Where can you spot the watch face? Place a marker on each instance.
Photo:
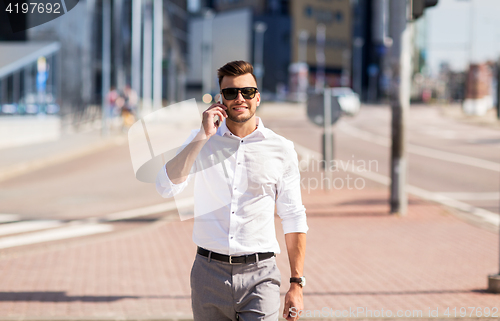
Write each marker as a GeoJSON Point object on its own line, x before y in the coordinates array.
{"type": "Point", "coordinates": [303, 281]}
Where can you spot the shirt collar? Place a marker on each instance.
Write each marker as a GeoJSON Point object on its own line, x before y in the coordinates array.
{"type": "Point", "coordinates": [260, 131]}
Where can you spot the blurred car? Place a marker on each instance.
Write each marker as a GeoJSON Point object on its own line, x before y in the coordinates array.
{"type": "Point", "coordinates": [348, 100]}
{"type": "Point", "coordinates": [9, 109]}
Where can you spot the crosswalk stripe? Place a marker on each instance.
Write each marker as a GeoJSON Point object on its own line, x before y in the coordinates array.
{"type": "Point", "coordinates": [149, 210]}
{"type": "Point", "coordinates": [5, 218]}
{"type": "Point", "coordinates": [28, 226]}
{"type": "Point", "coordinates": [54, 234]}
{"type": "Point", "coordinates": [57, 232]}
{"type": "Point", "coordinates": [471, 196]}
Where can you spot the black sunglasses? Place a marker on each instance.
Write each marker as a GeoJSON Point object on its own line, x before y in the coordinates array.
{"type": "Point", "coordinates": [232, 93]}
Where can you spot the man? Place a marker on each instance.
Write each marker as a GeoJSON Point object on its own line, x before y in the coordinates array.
{"type": "Point", "coordinates": [234, 275]}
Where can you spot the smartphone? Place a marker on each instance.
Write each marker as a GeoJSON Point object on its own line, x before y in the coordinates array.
{"type": "Point", "coordinates": [217, 120]}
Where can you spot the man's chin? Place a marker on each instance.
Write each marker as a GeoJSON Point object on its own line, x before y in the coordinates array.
{"type": "Point", "coordinates": [240, 118]}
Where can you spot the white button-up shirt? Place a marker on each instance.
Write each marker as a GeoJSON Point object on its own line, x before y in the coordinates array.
{"type": "Point", "coordinates": [235, 197]}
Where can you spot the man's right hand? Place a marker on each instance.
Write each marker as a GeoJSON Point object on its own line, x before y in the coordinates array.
{"type": "Point", "coordinates": [207, 124]}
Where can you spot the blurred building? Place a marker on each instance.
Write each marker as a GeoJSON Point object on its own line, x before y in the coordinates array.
{"type": "Point", "coordinates": [478, 95]}
{"type": "Point", "coordinates": [336, 16]}
{"type": "Point", "coordinates": [258, 6]}
{"type": "Point", "coordinates": [232, 36]}
{"type": "Point", "coordinates": [285, 20]}
{"type": "Point", "coordinates": [356, 45]}
{"type": "Point", "coordinates": [374, 59]}
{"type": "Point", "coordinates": [456, 85]}
{"type": "Point", "coordinates": [28, 73]}
{"type": "Point", "coordinates": [29, 77]}
{"type": "Point", "coordinates": [372, 70]}
{"type": "Point", "coordinates": [212, 44]}
{"type": "Point", "coordinates": [78, 35]}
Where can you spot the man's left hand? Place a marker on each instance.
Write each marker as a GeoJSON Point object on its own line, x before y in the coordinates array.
{"type": "Point", "coordinates": [294, 303]}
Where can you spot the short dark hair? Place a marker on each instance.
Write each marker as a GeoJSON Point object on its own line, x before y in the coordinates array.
{"type": "Point", "coordinates": [235, 68]}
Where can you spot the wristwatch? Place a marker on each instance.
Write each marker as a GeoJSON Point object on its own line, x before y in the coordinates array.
{"type": "Point", "coordinates": [301, 281]}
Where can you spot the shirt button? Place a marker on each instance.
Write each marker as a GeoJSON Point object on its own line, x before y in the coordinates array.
{"type": "Point", "coordinates": [231, 237]}
{"type": "Point", "coordinates": [233, 213]}
{"type": "Point", "coordinates": [239, 163]}
{"type": "Point", "coordinates": [242, 141]}
{"type": "Point", "coordinates": [235, 188]}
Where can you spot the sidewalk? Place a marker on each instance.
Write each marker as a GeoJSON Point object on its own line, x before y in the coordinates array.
{"type": "Point", "coordinates": [358, 258]}
{"type": "Point", "coordinates": [23, 152]}
{"type": "Point", "coordinates": [454, 111]}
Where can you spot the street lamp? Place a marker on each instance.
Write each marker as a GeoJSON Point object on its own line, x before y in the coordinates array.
{"type": "Point", "coordinates": [320, 57]}
{"type": "Point", "coordinates": [358, 44]}
{"type": "Point", "coordinates": [157, 54]}
{"type": "Point", "coordinates": [301, 69]}
{"type": "Point", "coordinates": [147, 58]}
{"type": "Point", "coordinates": [136, 46]}
{"type": "Point", "coordinates": [303, 37]}
{"type": "Point", "coordinates": [106, 64]}
{"type": "Point", "coordinates": [207, 52]}
{"type": "Point", "coordinates": [259, 27]}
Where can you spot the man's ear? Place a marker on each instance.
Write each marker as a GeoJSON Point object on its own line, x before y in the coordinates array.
{"type": "Point", "coordinates": [258, 98]}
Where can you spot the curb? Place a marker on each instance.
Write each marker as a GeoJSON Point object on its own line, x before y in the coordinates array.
{"type": "Point", "coordinates": [30, 166]}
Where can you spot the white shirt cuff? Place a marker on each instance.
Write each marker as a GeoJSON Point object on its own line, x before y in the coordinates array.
{"type": "Point", "coordinates": [164, 185]}
{"type": "Point", "coordinates": [295, 224]}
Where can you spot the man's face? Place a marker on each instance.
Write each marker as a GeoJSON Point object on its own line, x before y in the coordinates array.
{"type": "Point", "coordinates": [240, 110]}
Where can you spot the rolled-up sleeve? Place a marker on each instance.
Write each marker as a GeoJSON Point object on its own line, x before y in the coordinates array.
{"type": "Point", "coordinates": [289, 200]}
{"type": "Point", "coordinates": [164, 185]}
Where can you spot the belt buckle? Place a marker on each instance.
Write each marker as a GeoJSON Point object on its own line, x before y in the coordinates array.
{"type": "Point", "coordinates": [231, 260]}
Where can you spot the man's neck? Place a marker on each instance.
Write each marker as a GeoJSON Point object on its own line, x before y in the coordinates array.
{"type": "Point", "coordinates": [242, 129]}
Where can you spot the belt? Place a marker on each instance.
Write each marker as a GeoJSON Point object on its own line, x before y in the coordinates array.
{"type": "Point", "coordinates": [251, 258]}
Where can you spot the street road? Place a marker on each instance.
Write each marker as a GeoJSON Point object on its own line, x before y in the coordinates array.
{"type": "Point", "coordinates": [93, 194]}
{"type": "Point", "coordinates": [88, 196]}
{"type": "Point", "coordinates": [455, 160]}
